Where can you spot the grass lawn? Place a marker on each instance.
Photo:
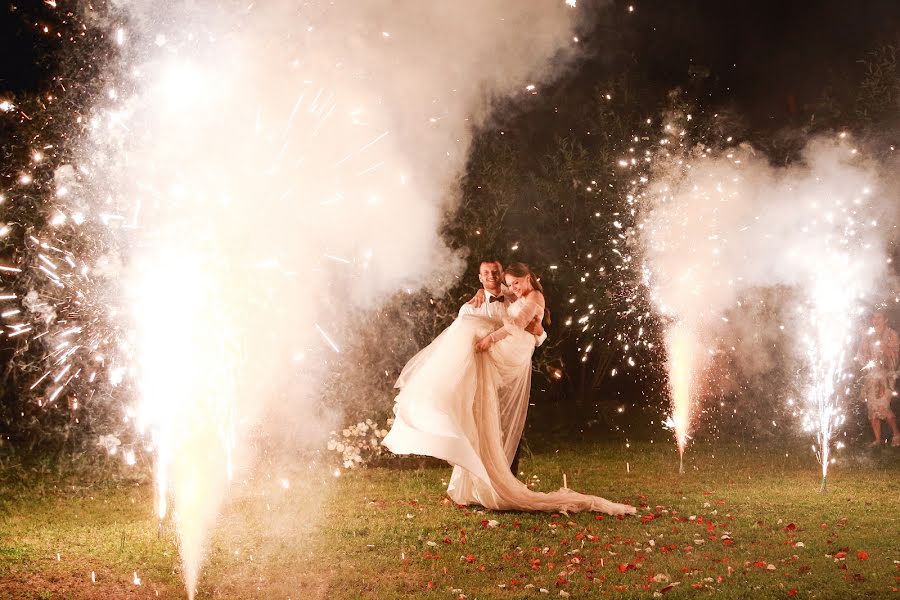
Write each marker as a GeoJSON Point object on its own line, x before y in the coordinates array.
{"type": "Point", "coordinates": [741, 522]}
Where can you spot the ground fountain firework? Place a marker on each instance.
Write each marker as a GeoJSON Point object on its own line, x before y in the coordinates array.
{"type": "Point", "coordinates": [240, 175]}
{"type": "Point", "coordinates": [722, 225]}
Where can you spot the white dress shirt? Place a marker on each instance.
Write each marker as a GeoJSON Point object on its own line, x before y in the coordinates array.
{"type": "Point", "coordinates": [494, 310]}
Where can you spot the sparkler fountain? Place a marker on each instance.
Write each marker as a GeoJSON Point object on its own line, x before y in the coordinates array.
{"type": "Point", "coordinates": [681, 349]}
{"type": "Point", "coordinates": [826, 342]}
{"type": "Point", "coordinates": [684, 273]}
{"type": "Point", "coordinates": [723, 224]}
{"type": "Point", "coordinates": [849, 256]}
{"type": "Point", "coordinates": [249, 170]}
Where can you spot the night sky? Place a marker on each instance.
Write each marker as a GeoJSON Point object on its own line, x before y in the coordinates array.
{"type": "Point", "coordinates": [761, 53]}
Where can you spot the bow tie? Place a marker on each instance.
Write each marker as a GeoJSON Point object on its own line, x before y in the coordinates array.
{"type": "Point", "coordinates": [496, 299]}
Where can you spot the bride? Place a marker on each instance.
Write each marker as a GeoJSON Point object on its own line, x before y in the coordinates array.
{"type": "Point", "coordinates": [464, 397]}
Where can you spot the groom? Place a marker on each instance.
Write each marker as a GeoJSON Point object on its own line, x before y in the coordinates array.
{"type": "Point", "coordinates": [491, 301]}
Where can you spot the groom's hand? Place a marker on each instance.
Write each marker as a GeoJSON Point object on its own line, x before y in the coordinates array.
{"type": "Point", "coordinates": [535, 328]}
{"type": "Point", "coordinates": [478, 299]}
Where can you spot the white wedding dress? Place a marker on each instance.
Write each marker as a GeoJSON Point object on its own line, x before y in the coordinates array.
{"type": "Point", "coordinates": [469, 409]}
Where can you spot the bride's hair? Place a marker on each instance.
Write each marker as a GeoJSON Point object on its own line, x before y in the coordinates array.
{"type": "Point", "coordinates": [520, 269]}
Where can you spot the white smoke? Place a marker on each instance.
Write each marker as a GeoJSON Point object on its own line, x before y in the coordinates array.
{"type": "Point", "coordinates": [728, 232]}
{"type": "Point", "coordinates": [270, 164]}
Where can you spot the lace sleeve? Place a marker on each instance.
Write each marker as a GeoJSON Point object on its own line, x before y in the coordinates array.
{"type": "Point", "coordinates": [530, 309]}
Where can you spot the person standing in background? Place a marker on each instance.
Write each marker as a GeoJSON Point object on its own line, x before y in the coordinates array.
{"type": "Point", "coordinates": [878, 352]}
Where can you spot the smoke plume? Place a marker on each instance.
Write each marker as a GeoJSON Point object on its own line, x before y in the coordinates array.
{"type": "Point", "coordinates": [264, 166]}
{"type": "Point", "coordinates": [768, 265]}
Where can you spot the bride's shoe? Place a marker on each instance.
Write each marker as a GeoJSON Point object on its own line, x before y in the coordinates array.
{"type": "Point", "coordinates": [895, 442]}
